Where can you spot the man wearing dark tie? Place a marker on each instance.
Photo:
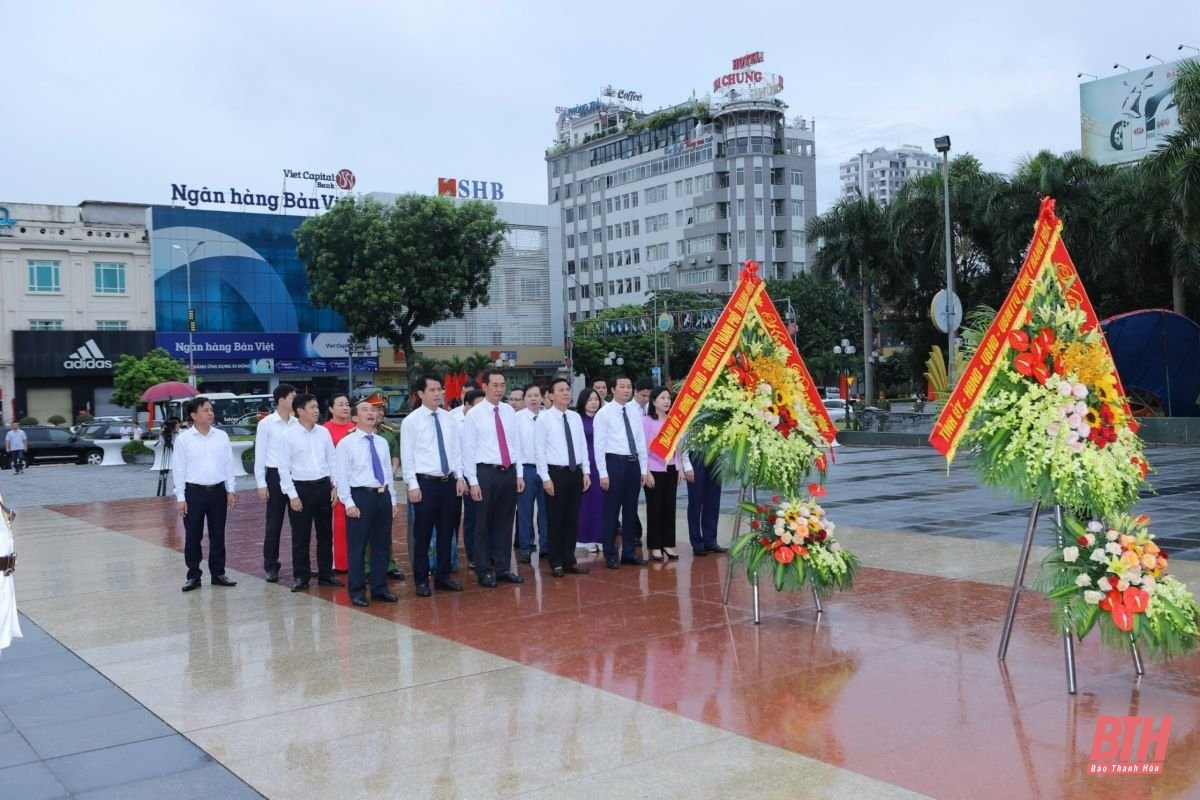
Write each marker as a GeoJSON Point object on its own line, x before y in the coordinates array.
{"type": "Point", "coordinates": [432, 464]}
{"type": "Point", "coordinates": [202, 470]}
{"type": "Point", "coordinates": [268, 446]}
{"type": "Point", "coordinates": [369, 495]}
{"type": "Point", "coordinates": [563, 466]}
{"type": "Point", "coordinates": [306, 477]}
{"type": "Point", "coordinates": [623, 465]}
{"type": "Point", "coordinates": [493, 463]}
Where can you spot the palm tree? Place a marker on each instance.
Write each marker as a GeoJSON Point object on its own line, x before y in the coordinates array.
{"type": "Point", "coordinates": [1177, 160]}
{"type": "Point", "coordinates": [856, 246]}
{"type": "Point", "coordinates": [476, 363]}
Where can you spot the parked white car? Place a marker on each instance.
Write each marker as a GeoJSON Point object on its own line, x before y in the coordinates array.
{"type": "Point", "coordinates": [836, 409]}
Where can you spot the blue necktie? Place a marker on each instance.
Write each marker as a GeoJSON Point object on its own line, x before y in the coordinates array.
{"type": "Point", "coordinates": [437, 426]}
{"type": "Point", "coordinates": [376, 464]}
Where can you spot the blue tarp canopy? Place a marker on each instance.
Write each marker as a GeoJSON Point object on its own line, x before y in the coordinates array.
{"type": "Point", "coordinates": [1158, 353]}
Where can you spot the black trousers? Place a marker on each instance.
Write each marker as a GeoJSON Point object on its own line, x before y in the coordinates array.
{"type": "Point", "coordinates": [660, 509]}
{"type": "Point", "coordinates": [494, 517]}
{"type": "Point", "coordinates": [438, 510]}
{"type": "Point", "coordinates": [373, 526]}
{"type": "Point", "coordinates": [211, 506]}
{"type": "Point", "coordinates": [563, 514]}
{"type": "Point", "coordinates": [316, 509]}
{"type": "Point", "coordinates": [620, 505]}
{"type": "Point", "coordinates": [277, 503]}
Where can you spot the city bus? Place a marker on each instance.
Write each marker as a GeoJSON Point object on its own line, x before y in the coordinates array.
{"type": "Point", "coordinates": [228, 407]}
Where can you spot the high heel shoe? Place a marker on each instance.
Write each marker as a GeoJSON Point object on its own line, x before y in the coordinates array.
{"type": "Point", "coordinates": [660, 557]}
{"type": "Point", "coordinates": [670, 555]}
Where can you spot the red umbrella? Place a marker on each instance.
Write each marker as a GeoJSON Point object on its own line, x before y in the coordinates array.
{"type": "Point", "coordinates": [167, 391]}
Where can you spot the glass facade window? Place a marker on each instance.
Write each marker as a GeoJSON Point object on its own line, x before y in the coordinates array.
{"type": "Point", "coordinates": [44, 277]}
{"type": "Point", "coordinates": [112, 325]}
{"type": "Point", "coordinates": [110, 278]}
{"type": "Point", "coordinates": [45, 324]}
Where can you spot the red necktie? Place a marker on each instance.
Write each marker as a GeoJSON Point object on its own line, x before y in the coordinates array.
{"type": "Point", "coordinates": [505, 459]}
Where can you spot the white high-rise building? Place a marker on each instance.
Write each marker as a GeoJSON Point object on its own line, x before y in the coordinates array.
{"type": "Point", "coordinates": [682, 197]}
{"type": "Point", "coordinates": [880, 172]}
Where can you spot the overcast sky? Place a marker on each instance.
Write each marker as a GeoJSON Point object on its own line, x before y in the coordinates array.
{"type": "Point", "coordinates": [118, 100]}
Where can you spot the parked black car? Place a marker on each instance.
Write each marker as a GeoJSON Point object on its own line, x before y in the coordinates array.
{"type": "Point", "coordinates": [48, 443]}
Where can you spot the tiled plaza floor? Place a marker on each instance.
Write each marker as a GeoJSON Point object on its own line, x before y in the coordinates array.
{"type": "Point", "coordinates": [628, 683]}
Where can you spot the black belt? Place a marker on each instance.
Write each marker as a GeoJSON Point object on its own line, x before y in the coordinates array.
{"type": "Point", "coordinates": [317, 482]}
{"type": "Point", "coordinates": [498, 467]}
{"type": "Point", "coordinates": [563, 467]}
{"type": "Point", "coordinates": [377, 489]}
{"type": "Point", "coordinates": [201, 487]}
{"type": "Point", "coordinates": [620, 457]}
{"type": "Point", "coordinates": [438, 478]}
{"type": "Point", "coordinates": [8, 564]}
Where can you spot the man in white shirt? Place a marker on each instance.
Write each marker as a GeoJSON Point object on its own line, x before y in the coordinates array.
{"type": "Point", "coordinates": [432, 464]}
{"type": "Point", "coordinates": [202, 471]}
{"type": "Point", "coordinates": [492, 461]}
{"type": "Point", "coordinates": [622, 463]}
{"type": "Point", "coordinates": [533, 499]}
{"type": "Point", "coordinates": [15, 444]}
{"type": "Point", "coordinates": [268, 453]}
{"type": "Point", "coordinates": [126, 431]}
{"type": "Point", "coordinates": [564, 470]}
{"type": "Point", "coordinates": [306, 477]}
{"type": "Point", "coordinates": [368, 491]}
{"type": "Point", "coordinates": [601, 387]}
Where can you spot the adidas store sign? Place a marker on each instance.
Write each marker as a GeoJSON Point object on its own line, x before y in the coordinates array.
{"type": "Point", "coordinates": [87, 357]}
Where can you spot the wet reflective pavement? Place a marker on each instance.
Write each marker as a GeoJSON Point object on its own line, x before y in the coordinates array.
{"type": "Point", "coordinates": [629, 683]}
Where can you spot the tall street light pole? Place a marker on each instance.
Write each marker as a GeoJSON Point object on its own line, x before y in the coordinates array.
{"type": "Point", "coordinates": [191, 312]}
{"type": "Point", "coordinates": [942, 143]}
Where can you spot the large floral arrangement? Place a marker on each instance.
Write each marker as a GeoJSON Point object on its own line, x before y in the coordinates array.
{"type": "Point", "coordinates": [753, 423]}
{"type": "Point", "coordinates": [1053, 427]}
{"type": "Point", "coordinates": [792, 540]}
{"type": "Point", "coordinates": [1114, 575]}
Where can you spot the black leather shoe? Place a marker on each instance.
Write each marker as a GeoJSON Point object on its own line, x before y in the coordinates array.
{"type": "Point", "coordinates": [361, 602]}
{"type": "Point", "coordinates": [487, 580]}
{"type": "Point", "coordinates": [331, 580]}
{"type": "Point", "coordinates": [509, 577]}
{"type": "Point", "coordinates": [386, 597]}
{"type": "Point", "coordinates": [273, 575]}
{"type": "Point", "coordinates": [716, 548]}
{"type": "Point", "coordinates": [699, 551]}
{"type": "Point", "coordinates": [612, 563]}
{"type": "Point", "coordinates": [557, 572]}
{"type": "Point", "coordinates": [395, 574]}
{"type": "Point", "coordinates": [221, 580]}
{"type": "Point", "coordinates": [300, 584]}
{"type": "Point", "coordinates": [448, 585]}
{"type": "Point", "coordinates": [423, 589]}
{"type": "Point", "coordinates": [575, 569]}
{"type": "Point", "coordinates": [525, 558]}
{"type": "Point", "coordinates": [637, 561]}
{"type": "Point", "coordinates": [191, 584]}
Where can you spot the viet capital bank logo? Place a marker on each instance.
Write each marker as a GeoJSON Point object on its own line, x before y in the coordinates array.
{"type": "Point", "coordinates": [1112, 746]}
{"type": "Point", "coordinates": [89, 356]}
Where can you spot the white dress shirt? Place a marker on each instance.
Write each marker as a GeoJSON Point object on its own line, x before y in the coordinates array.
{"type": "Point", "coordinates": [268, 445]}
{"type": "Point", "coordinates": [480, 444]}
{"type": "Point", "coordinates": [352, 466]}
{"type": "Point", "coordinates": [608, 433]}
{"type": "Point", "coordinates": [527, 423]}
{"type": "Point", "coordinates": [307, 456]}
{"type": "Point", "coordinates": [551, 442]}
{"type": "Point", "coordinates": [202, 458]}
{"type": "Point", "coordinates": [419, 445]}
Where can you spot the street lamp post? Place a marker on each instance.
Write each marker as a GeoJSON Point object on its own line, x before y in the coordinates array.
{"type": "Point", "coordinates": [845, 351]}
{"type": "Point", "coordinates": [942, 144]}
{"type": "Point", "coordinates": [191, 312]}
{"type": "Point", "coordinates": [612, 358]}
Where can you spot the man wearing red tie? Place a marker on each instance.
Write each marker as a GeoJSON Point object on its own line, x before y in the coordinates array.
{"type": "Point", "coordinates": [369, 494]}
{"type": "Point", "coordinates": [564, 468]}
{"type": "Point", "coordinates": [493, 465]}
{"type": "Point", "coordinates": [429, 453]}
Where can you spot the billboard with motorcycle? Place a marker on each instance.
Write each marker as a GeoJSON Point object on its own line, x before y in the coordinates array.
{"type": "Point", "coordinates": [1125, 117]}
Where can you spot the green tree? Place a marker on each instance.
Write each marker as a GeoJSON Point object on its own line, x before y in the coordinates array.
{"type": "Point", "coordinates": [392, 270]}
{"type": "Point", "coordinates": [857, 247]}
{"type": "Point", "coordinates": [132, 376]}
{"type": "Point", "coordinates": [824, 314]}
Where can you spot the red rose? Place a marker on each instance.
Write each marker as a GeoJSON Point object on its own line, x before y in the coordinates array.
{"type": "Point", "coordinates": [754, 524]}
